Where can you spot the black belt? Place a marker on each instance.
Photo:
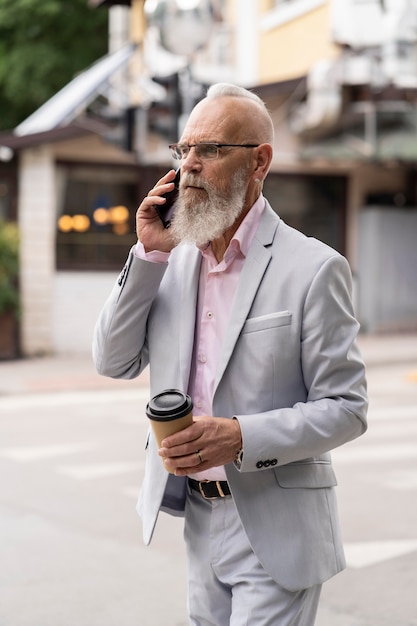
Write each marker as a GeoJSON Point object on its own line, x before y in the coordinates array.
{"type": "Point", "coordinates": [210, 489]}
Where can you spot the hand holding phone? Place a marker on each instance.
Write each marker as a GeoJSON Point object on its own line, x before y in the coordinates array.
{"type": "Point", "coordinates": [166, 211]}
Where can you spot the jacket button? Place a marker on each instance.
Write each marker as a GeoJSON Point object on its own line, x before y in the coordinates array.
{"type": "Point", "coordinates": [260, 464]}
{"type": "Point", "coordinates": [267, 463]}
{"type": "Point", "coordinates": [274, 461]}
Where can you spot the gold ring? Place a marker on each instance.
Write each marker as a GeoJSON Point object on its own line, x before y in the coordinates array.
{"type": "Point", "coordinates": [199, 456]}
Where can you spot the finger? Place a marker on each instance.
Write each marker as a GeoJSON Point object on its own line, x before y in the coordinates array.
{"type": "Point", "coordinates": [185, 464]}
{"type": "Point", "coordinates": [183, 437]}
{"type": "Point", "coordinates": [183, 450]}
{"type": "Point", "coordinates": [155, 194]}
{"type": "Point", "coordinates": [164, 184]}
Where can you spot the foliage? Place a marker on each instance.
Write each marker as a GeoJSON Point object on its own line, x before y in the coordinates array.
{"type": "Point", "coordinates": [43, 44]}
{"type": "Point", "coordinates": [9, 267]}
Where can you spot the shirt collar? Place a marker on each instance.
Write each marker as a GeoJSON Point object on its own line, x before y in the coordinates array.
{"type": "Point", "coordinates": [242, 238]}
{"type": "Point", "coordinates": [247, 229]}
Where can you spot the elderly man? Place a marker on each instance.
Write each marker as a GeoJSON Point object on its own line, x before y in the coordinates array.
{"type": "Point", "coordinates": [254, 320]}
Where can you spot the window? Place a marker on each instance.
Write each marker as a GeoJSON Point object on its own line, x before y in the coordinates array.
{"type": "Point", "coordinates": [96, 216]}
{"type": "Point", "coordinates": [284, 11]}
{"type": "Point", "coordinates": [315, 205]}
{"type": "Point", "coordinates": [4, 199]}
{"type": "Point", "coordinates": [8, 186]}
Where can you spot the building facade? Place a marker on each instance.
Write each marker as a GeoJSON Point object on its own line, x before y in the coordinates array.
{"type": "Point", "coordinates": [342, 94]}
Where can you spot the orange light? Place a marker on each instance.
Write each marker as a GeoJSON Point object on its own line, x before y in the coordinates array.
{"type": "Point", "coordinates": [65, 223]}
{"type": "Point", "coordinates": [101, 216]}
{"type": "Point", "coordinates": [80, 223]}
{"type": "Point", "coordinates": [119, 214]}
{"type": "Point", "coordinates": [120, 229]}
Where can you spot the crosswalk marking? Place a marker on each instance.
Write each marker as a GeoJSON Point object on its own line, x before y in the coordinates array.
{"type": "Point", "coordinates": [369, 454]}
{"type": "Point", "coordinates": [131, 492]}
{"type": "Point", "coordinates": [393, 413]}
{"type": "Point", "coordinates": [98, 470]}
{"type": "Point", "coordinates": [402, 481]}
{"type": "Point", "coordinates": [71, 398]}
{"type": "Point", "coordinates": [366, 553]}
{"type": "Point", "coordinates": [392, 430]}
{"type": "Point", "coordinates": [25, 454]}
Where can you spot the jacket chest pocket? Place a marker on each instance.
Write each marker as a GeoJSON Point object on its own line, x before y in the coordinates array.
{"type": "Point", "coordinates": [263, 338]}
{"type": "Point", "coordinates": [263, 357]}
{"type": "Point", "coordinates": [267, 322]}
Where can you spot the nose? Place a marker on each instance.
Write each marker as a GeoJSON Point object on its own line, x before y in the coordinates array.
{"type": "Point", "coordinates": [191, 162]}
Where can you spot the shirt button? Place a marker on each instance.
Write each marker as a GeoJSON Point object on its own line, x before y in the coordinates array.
{"type": "Point", "coordinates": [203, 358]}
{"type": "Point", "coordinates": [209, 315]}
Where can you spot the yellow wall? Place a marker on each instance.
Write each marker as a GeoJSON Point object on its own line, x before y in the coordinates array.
{"type": "Point", "coordinates": [137, 33]}
{"type": "Point", "coordinates": [137, 21]}
{"type": "Point", "coordinates": [288, 51]}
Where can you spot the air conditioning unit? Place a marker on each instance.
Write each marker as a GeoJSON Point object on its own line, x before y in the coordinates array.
{"type": "Point", "coordinates": [372, 23]}
{"type": "Point", "coordinates": [399, 63]}
{"type": "Point", "coordinates": [357, 23]}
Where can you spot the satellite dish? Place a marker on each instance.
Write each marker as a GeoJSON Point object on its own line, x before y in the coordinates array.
{"type": "Point", "coordinates": [184, 25]}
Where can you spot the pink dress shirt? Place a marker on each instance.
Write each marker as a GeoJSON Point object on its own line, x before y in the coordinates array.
{"type": "Point", "coordinates": [217, 287]}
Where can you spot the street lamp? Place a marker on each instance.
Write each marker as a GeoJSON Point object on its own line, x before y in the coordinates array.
{"type": "Point", "coordinates": [184, 25]}
{"type": "Point", "coordinates": [184, 28]}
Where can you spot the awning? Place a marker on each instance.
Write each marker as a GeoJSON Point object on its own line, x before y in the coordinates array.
{"type": "Point", "coordinates": [393, 143]}
{"type": "Point", "coordinates": [100, 3]}
{"type": "Point", "coordinates": [65, 105]}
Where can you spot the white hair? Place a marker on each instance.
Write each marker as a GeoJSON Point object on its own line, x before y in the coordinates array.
{"type": "Point", "coordinates": [229, 90]}
{"type": "Point", "coordinates": [220, 90]}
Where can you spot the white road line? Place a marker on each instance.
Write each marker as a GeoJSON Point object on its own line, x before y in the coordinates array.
{"type": "Point", "coordinates": [393, 413]}
{"type": "Point", "coordinates": [25, 454]}
{"type": "Point", "coordinates": [131, 492]}
{"type": "Point", "coordinates": [402, 481]}
{"type": "Point", "coordinates": [72, 398]}
{"type": "Point", "coordinates": [366, 553]}
{"type": "Point", "coordinates": [370, 454]}
{"type": "Point", "coordinates": [392, 430]}
{"type": "Point", "coordinates": [98, 470]}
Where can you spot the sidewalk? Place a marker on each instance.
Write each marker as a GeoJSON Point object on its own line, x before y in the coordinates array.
{"type": "Point", "coordinates": [58, 373]}
{"type": "Point", "coordinates": [77, 372]}
{"type": "Point", "coordinates": [380, 350]}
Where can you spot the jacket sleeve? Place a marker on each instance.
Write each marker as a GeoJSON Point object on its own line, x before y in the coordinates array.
{"type": "Point", "coordinates": [333, 378]}
{"type": "Point", "coordinates": [119, 341]}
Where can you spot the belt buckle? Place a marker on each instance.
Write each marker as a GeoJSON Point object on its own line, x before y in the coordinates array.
{"type": "Point", "coordinates": [219, 489]}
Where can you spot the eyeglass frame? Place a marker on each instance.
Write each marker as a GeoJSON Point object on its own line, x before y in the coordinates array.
{"type": "Point", "coordinates": [174, 146]}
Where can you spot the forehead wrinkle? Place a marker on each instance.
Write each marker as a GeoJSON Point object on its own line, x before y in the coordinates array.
{"type": "Point", "coordinates": [212, 122]}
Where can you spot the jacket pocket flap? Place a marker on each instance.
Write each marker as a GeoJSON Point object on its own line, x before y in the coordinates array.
{"type": "Point", "coordinates": [305, 476]}
{"type": "Point", "coordinates": [272, 320]}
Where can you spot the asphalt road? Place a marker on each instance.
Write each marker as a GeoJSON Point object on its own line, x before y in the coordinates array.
{"type": "Point", "coordinates": [71, 552]}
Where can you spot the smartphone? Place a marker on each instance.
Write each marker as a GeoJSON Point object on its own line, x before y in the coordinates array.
{"type": "Point", "coordinates": [166, 211]}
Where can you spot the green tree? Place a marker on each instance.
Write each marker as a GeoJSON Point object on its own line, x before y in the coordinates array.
{"type": "Point", "coordinates": [43, 45]}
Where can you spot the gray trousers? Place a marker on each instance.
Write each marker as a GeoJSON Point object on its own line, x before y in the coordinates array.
{"type": "Point", "coordinates": [227, 586]}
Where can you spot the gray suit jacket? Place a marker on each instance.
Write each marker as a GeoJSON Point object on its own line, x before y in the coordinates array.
{"type": "Point", "coordinates": [289, 370]}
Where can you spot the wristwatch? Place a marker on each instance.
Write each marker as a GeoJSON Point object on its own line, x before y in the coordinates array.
{"type": "Point", "coordinates": [239, 458]}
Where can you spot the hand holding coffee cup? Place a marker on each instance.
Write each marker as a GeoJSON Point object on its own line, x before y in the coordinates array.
{"type": "Point", "coordinates": [169, 411]}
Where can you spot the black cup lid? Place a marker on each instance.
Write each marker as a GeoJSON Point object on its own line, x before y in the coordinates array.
{"type": "Point", "coordinates": [170, 404]}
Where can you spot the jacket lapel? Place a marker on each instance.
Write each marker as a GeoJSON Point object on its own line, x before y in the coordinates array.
{"type": "Point", "coordinates": [251, 275]}
{"type": "Point", "coordinates": [190, 274]}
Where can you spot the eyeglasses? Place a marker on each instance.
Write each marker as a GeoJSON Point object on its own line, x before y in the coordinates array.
{"type": "Point", "coordinates": [204, 151]}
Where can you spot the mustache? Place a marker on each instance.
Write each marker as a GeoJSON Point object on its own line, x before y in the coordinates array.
{"type": "Point", "coordinates": [190, 180]}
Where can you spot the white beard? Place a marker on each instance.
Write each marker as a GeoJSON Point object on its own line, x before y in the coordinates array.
{"type": "Point", "coordinates": [202, 221]}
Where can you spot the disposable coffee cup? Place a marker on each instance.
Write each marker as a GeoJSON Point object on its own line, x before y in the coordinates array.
{"type": "Point", "coordinates": [169, 411]}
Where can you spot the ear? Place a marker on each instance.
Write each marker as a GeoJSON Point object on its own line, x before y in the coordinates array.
{"type": "Point", "coordinates": [263, 158]}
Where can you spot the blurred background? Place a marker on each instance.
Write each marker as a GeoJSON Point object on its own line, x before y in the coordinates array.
{"type": "Point", "coordinates": [91, 94]}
